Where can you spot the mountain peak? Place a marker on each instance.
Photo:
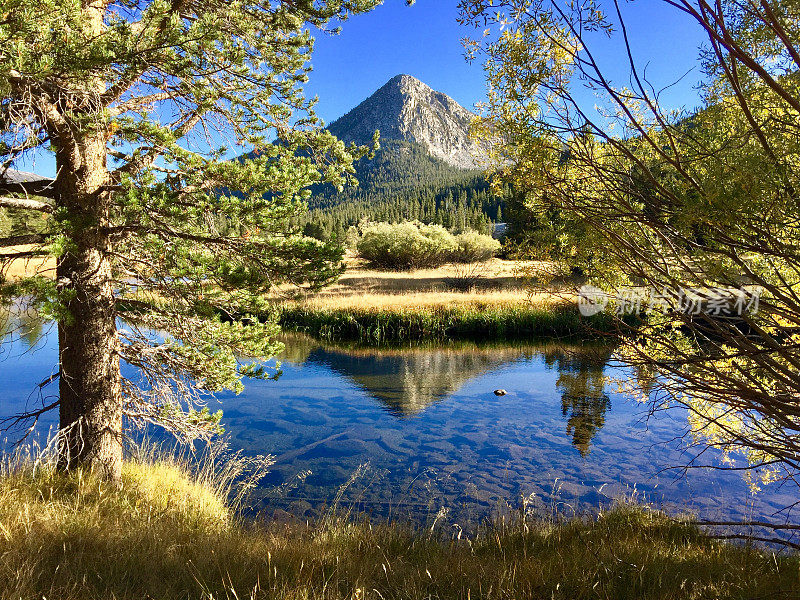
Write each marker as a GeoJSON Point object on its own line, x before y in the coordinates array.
{"type": "Point", "coordinates": [400, 77]}
{"type": "Point", "coordinates": [406, 109]}
{"type": "Point", "coordinates": [404, 80]}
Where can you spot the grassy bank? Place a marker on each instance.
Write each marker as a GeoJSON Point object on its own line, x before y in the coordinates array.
{"type": "Point", "coordinates": [162, 535]}
{"type": "Point", "coordinates": [450, 316]}
{"type": "Point", "coordinates": [486, 301]}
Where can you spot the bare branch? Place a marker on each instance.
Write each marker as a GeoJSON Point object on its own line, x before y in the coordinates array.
{"type": "Point", "coordinates": [755, 538]}
{"type": "Point", "coordinates": [22, 240]}
{"type": "Point", "coordinates": [25, 204]}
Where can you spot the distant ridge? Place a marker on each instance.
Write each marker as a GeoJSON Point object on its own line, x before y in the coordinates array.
{"type": "Point", "coordinates": [406, 109]}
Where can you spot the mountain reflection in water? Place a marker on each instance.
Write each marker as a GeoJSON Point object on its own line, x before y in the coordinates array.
{"type": "Point", "coordinates": [407, 380]}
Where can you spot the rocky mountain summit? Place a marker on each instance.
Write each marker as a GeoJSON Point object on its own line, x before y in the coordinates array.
{"type": "Point", "coordinates": [408, 110]}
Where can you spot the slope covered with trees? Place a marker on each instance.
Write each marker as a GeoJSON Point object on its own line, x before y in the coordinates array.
{"type": "Point", "coordinates": [403, 182]}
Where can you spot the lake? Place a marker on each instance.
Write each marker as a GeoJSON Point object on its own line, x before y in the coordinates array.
{"type": "Point", "coordinates": [416, 433]}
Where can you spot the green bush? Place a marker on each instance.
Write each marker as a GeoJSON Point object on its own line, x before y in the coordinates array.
{"type": "Point", "coordinates": [475, 247]}
{"type": "Point", "coordinates": [414, 245]}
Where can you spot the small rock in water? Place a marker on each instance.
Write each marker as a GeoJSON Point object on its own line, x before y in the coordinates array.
{"type": "Point", "coordinates": [500, 392]}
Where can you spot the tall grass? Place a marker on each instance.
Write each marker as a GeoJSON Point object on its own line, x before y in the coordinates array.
{"type": "Point", "coordinates": [168, 533]}
{"type": "Point", "coordinates": [483, 322]}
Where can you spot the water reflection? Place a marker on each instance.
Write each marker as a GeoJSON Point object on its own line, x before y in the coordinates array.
{"type": "Point", "coordinates": [434, 435]}
{"type": "Point", "coordinates": [581, 382]}
{"type": "Point", "coordinates": [405, 381]}
{"type": "Point", "coordinates": [408, 380]}
{"type": "Point", "coordinates": [21, 323]}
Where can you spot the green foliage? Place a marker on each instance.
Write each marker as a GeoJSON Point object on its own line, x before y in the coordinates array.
{"type": "Point", "coordinates": [414, 245]}
{"type": "Point", "coordinates": [402, 182]}
{"type": "Point", "coordinates": [167, 533]}
{"type": "Point", "coordinates": [474, 247]}
{"type": "Point", "coordinates": [138, 105]}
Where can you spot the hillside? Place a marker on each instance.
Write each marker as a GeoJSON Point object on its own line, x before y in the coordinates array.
{"type": "Point", "coordinates": [427, 167]}
{"type": "Point", "coordinates": [404, 182]}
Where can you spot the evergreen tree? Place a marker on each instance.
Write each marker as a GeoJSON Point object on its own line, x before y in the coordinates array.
{"type": "Point", "coordinates": [136, 101]}
{"type": "Point", "coordinates": [402, 182]}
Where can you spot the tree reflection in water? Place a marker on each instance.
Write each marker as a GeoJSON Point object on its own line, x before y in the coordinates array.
{"type": "Point", "coordinates": [408, 380]}
{"type": "Point", "coordinates": [581, 382]}
{"type": "Point", "coordinates": [19, 322]}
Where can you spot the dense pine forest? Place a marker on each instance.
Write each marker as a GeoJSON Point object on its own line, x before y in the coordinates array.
{"type": "Point", "coordinates": [402, 182]}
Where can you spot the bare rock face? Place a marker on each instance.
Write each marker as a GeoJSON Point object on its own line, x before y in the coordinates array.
{"type": "Point", "coordinates": [407, 109]}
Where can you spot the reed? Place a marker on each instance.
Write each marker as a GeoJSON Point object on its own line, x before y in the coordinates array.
{"type": "Point", "coordinates": [375, 324]}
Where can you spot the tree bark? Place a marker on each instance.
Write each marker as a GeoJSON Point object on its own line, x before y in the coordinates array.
{"type": "Point", "coordinates": [89, 387]}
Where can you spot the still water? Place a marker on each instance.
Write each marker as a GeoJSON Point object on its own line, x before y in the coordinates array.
{"type": "Point", "coordinates": [417, 433]}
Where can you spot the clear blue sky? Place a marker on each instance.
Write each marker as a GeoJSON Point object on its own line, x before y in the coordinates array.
{"type": "Point", "coordinates": [423, 40]}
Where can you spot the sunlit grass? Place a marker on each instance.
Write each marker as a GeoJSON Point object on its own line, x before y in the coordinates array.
{"type": "Point", "coordinates": [422, 301]}
{"type": "Point", "coordinates": [487, 301]}
{"type": "Point", "coordinates": [26, 267]}
{"type": "Point", "coordinates": [166, 534]}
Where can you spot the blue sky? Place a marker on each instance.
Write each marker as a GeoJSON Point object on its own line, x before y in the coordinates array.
{"type": "Point", "coordinates": [423, 40]}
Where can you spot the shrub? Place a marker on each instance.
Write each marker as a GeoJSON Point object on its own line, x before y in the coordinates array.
{"type": "Point", "coordinates": [416, 245]}
{"type": "Point", "coordinates": [475, 247]}
{"type": "Point", "coordinates": [392, 246]}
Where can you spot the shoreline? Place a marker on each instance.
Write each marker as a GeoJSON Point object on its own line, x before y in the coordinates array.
{"type": "Point", "coordinates": [462, 323]}
{"type": "Point", "coordinates": [174, 534]}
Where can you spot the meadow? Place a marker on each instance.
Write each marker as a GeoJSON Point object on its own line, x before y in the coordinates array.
{"type": "Point", "coordinates": [495, 300]}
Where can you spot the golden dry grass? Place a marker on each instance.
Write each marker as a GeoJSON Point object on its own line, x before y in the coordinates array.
{"type": "Point", "coordinates": [423, 301]}
{"type": "Point", "coordinates": [493, 300]}
{"type": "Point", "coordinates": [496, 284]}
{"type": "Point", "coordinates": [26, 267]}
{"type": "Point", "coordinates": [496, 274]}
{"type": "Point", "coordinates": [165, 534]}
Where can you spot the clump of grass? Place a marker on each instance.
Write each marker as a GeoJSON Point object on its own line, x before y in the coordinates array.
{"type": "Point", "coordinates": [377, 324]}
{"type": "Point", "coordinates": [166, 533]}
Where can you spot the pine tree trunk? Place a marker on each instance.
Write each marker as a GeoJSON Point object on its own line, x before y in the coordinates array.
{"type": "Point", "coordinates": [90, 392]}
{"type": "Point", "coordinates": [89, 386]}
